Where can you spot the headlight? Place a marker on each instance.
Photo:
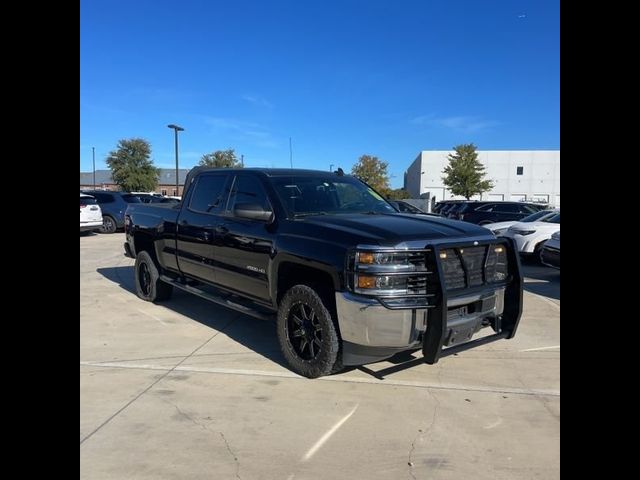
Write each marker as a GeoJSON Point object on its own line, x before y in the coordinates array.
{"type": "Point", "coordinates": [556, 236]}
{"type": "Point", "coordinates": [496, 270]}
{"type": "Point", "coordinates": [390, 261]}
{"type": "Point", "coordinates": [390, 273]}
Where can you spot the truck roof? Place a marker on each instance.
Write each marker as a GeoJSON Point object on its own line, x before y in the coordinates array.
{"type": "Point", "coordinates": [270, 172]}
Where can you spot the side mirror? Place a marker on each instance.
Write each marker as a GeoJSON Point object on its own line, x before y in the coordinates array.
{"type": "Point", "coordinates": [252, 211]}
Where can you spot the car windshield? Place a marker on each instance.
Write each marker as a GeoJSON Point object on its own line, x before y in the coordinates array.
{"type": "Point", "coordinates": [308, 195]}
{"type": "Point", "coordinates": [538, 216]}
{"type": "Point", "coordinates": [552, 219]}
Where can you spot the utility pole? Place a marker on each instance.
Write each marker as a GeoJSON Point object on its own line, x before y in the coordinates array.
{"type": "Point", "coordinates": [93, 149]}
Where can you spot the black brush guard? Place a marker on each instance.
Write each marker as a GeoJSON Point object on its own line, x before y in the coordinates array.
{"type": "Point", "coordinates": [435, 336]}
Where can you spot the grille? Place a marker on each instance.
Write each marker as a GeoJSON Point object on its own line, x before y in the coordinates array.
{"type": "Point", "coordinates": [473, 266]}
{"type": "Point", "coordinates": [417, 285]}
{"type": "Point", "coordinates": [418, 259]}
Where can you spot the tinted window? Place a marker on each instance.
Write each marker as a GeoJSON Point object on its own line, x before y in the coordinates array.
{"type": "Point", "coordinates": [104, 197]}
{"type": "Point", "coordinates": [208, 194]}
{"type": "Point", "coordinates": [88, 201]}
{"type": "Point", "coordinates": [486, 208]}
{"type": "Point", "coordinates": [537, 216]}
{"type": "Point", "coordinates": [130, 198]}
{"type": "Point", "coordinates": [248, 189]}
{"type": "Point", "coordinates": [527, 209]}
{"type": "Point", "coordinates": [322, 194]}
{"type": "Point", "coordinates": [519, 170]}
{"type": "Point", "coordinates": [507, 208]}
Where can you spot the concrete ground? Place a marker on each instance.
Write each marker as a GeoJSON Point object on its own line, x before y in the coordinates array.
{"type": "Point", "coordinates": [190, 390]}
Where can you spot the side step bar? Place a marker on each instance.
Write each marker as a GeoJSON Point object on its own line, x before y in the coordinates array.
{"type": "Point", "coordinates": [218, 299]}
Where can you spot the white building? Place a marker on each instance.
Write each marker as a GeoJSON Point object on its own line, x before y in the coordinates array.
{"type": "Point", "coordinates": [532, 175]}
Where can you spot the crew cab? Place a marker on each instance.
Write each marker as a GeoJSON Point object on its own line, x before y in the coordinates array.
{"type": "Point", "coordinates": [347, 279]}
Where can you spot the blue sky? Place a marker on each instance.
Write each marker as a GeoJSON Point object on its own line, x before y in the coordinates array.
{"type": "Point", "coordinates": [341, 78]}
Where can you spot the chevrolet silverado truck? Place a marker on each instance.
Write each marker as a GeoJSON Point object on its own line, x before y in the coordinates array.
{"type": "Point", "coordinates": [347, 278]}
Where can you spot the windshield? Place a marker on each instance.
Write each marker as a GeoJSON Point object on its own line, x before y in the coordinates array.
{"type": "Point", "coordinates": [538, 216]}
{"type": "Point", "coordinates": [306, 195]}
{"type": "Point", "coordinates": [552, 219]}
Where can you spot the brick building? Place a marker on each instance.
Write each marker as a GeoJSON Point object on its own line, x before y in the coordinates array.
{"type": "Point", "coordinates": [166, 181]}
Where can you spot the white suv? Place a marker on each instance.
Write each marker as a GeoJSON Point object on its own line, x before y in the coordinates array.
{"type": "Point", "coordinates": [90, 214]}
{"type": "Point", "coordinates": [530, 237]}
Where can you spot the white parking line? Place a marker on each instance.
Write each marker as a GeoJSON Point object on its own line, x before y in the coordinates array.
{"type": "Point", "coordinates": [333, 378]}
{"type": "Point", "coordinates": [540, 348]}
{"type": "Point", "coordinates": [323, 439]}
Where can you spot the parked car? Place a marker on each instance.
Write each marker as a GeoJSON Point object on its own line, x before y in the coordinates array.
{"type": "Point", "coordinates": [90, 214]}
{"type": "Point", "coordinates": [151, 198]}
{"type": "Point", "coordinates": [347, 279]}
{"type": "Point", "coordinates": [550, 253]}
{"type": "Point", "coordinates": [500, 227]}
{"type": "Point", "coordinates": [530, 237]}
{"type": "Point", "coordinates": [406, 207]}
{"type": "Point", "coordinates": [483, 213]}
{"type": "Point", "coordinates": [449, 206]}
{"type": "Point", "coordinates": [113, 205]}
{"type": "Point", "coordinates": [439, 206]}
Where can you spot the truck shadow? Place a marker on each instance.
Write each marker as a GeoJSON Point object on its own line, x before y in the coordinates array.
{"type": "Point", "coordinates": [257, 335]}
{"type": "Point", "coordinates": [542, 280]}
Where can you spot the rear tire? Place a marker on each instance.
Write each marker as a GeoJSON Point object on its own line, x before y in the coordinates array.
{"type": "Point", "coordinates": [307, 333]}
{"type": "Point", "coordinates": [109, 224]}
{"type": "Point", "coordinates": [149, 287]}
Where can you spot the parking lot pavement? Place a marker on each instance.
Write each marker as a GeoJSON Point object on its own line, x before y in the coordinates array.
{"type": "Point", "coordinates": [187, 389]}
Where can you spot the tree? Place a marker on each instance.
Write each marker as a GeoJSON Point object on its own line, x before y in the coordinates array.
{"type": "Point", "coordinates": [465, 174]}
{"type": "Point", "coordinates": [221, 159]}
{"type": "Point", "coordinates": [397, 194]}
{"type": "Point", "coordinates": [131, 168]}
{"type": "Point", "coordinates": [372, 170]}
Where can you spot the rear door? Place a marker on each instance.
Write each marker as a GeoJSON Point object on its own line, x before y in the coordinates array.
{"type": "Point", "coordinates": [243, 247]}
{"type": "Point", "coordinates": [197, 221]}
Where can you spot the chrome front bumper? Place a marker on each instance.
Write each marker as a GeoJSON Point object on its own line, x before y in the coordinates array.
{"type": "Point", "coordinates": [371, 332]}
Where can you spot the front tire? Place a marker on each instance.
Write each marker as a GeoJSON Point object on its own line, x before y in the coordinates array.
{"type": "Point", "coordinates": [307, 333]}
{"type": "Point", "coordinates": [149, 287]}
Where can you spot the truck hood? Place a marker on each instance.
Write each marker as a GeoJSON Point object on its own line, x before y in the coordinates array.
{"type": "Point", "coordinates": [390, 229]}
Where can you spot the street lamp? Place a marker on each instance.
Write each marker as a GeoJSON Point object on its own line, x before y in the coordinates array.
{"type": "Point", "coordinates": [176, 129]}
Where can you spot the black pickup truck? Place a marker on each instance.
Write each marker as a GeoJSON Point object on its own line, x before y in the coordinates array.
{"type": "Point", "coordinates": [349, 279]}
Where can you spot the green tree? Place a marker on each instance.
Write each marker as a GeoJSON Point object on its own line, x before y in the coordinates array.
{"type": "Point", "coordinates": [131, 166]}
{"type": "Point", "coordinates": [465, 174]}
{"type": "Point", "coordinates": [397, 194]}
{"type": "Point", "coordinates": [372, 170]}
{"type": "Point", "coordinates": [221, 159]}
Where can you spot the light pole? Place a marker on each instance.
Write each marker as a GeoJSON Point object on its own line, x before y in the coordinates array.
{"type": "Point", "coordinates": [93, 149]}
{"type": "Point", "coordinates": [176, 129]}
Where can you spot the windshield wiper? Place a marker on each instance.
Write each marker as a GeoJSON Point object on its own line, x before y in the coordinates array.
{"type": "Point", "coordinates": [308, 214]}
